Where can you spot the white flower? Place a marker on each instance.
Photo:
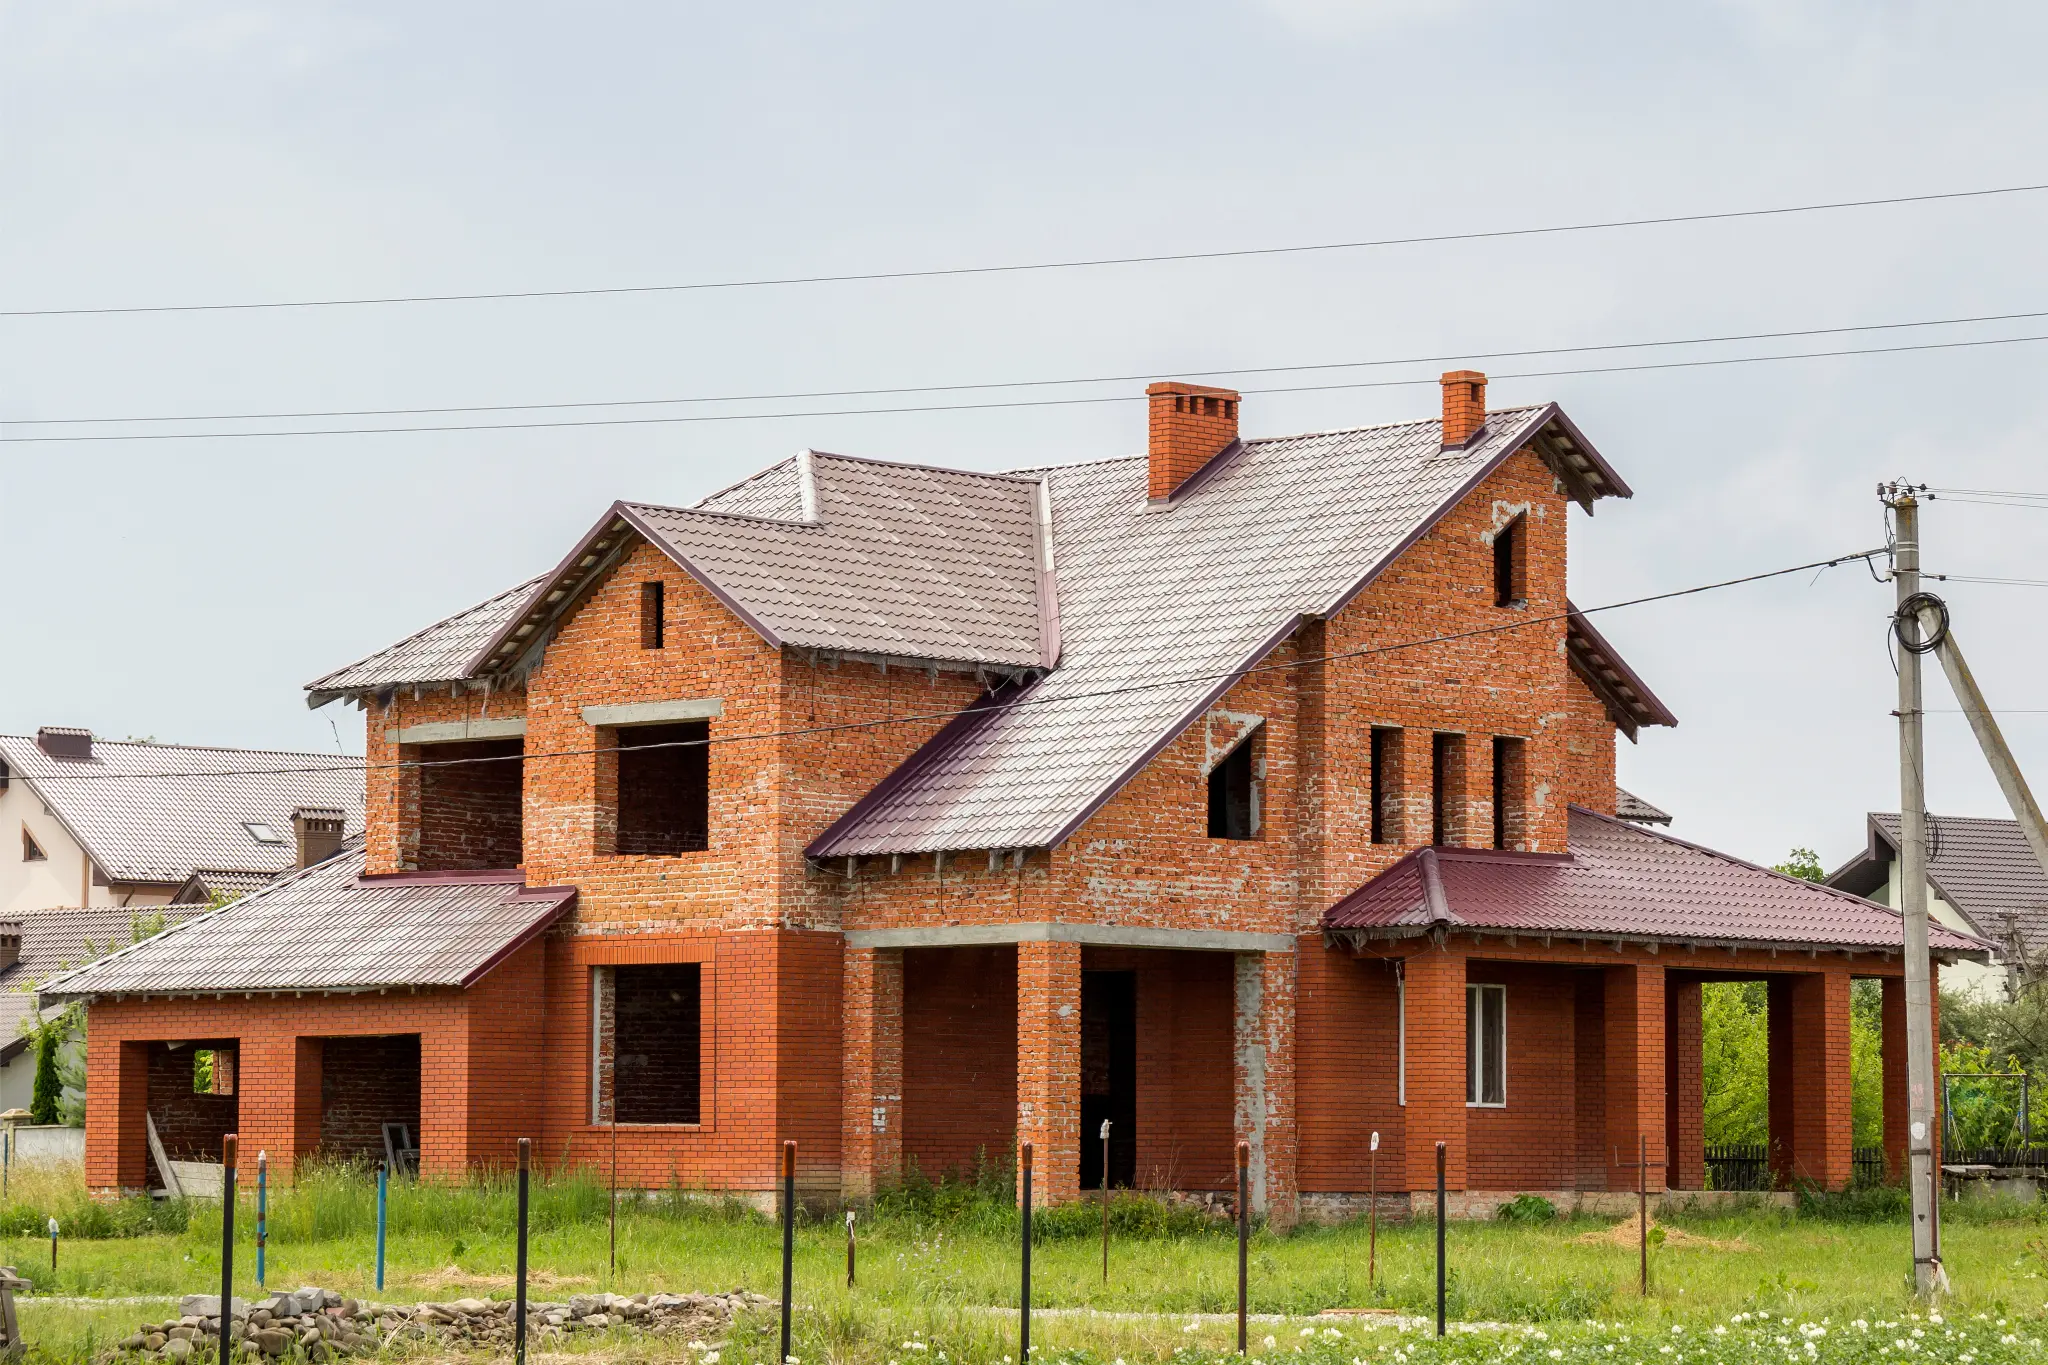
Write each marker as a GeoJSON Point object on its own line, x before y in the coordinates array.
{"type": "Point", "coordinates": [1192, 1327]}
{"type": "Point", "coordinates": [1556, 1354]}
{"type": "Point", "coordinates": [1308, 1331]}
{"type": "Point", "coordinates": [1720, 1331]}
{"type": "Point", "coordinates": [2008, 1339]}
{"type": "Point", "coordinates": [1333, 1334]}
{"type": "Point", "coordinates": [1271, 1343]}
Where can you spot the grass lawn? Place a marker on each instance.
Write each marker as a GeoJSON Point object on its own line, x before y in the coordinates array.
{"type": "Point", "coordinates": [940, 1272]}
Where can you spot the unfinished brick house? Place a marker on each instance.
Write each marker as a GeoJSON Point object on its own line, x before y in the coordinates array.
{"type": "Point", "coordinates": [1249, 788]}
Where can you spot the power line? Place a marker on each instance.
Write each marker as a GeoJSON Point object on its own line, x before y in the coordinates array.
{"type": "Point", "coordinates": [675, 419]}
{"type": "Point", "coordinates": [1020, 703]}
{"type": "Point", "coordinates": [792, 395]}
{"type": "Point", "coordinates": [2006, 582]}
{"type": "Point", "coordinates": [1082, 263]}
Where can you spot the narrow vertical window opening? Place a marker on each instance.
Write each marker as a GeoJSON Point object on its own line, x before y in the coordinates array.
{"type": "Point", "coordinates": [1234, 793]}
{"type": "Point", "coordinates": [1507, 564]}
{"type": "Point", "coordinates": [651, 632]}
{"type": "Point", "coordinates": [1509, 782]}
{"type": "Point", "coordinates": [1386, 785]}
{"type": "Point", "coordinates": [1486, 1039]}
{"type": "Point", "coordinates": [1447, 789]}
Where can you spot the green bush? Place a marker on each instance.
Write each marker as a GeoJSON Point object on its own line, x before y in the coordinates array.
{"type": "Point", "coordinates": [1526, 1208]}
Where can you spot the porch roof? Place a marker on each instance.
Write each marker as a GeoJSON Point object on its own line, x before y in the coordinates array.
{"type": "Point", "coordinates": [1622, 881]}
{"type": "Point", "coordinates": [331, 929]}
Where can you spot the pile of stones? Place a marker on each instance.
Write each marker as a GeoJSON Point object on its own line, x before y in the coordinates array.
{"type": "Point", "coordinates": [320, 1324]}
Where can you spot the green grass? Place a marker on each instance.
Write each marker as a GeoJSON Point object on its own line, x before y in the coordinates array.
{"type": "Point", "coordinates": [939, 1265]}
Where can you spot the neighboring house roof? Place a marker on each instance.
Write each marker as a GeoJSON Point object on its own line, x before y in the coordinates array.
{"type": "Point", "coordinates": [1162, 610]}
{"type": "Point", "coordinates": [154, 812]}
{"type": "Point", "coordinates": [438, 654]}
{"type": "Point", "coordinates": [1632, 808]}
{"type": "Point", "coordinates": [54, 941]}
{"type": "Point", "coordinates": [1622, 881]}
{"type": "Point", "coordinates": [329, 928]}
{"type": "Point", "coordinates": [206, 883]}
{"type": "Point", "coordinates": [1984, 868]}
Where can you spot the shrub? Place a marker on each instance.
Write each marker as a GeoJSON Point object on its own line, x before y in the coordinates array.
{"type": "Point", "coordinates": [1527, 1208]}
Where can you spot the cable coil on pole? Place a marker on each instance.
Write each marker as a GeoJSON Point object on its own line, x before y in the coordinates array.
{"type": "Point", "coordinates": [1909, 612]}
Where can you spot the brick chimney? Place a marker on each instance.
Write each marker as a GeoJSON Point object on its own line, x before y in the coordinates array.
{"type": "Point", "coordinates": [319, 834]}
{"type": "Point", "coordinates": [1464, 406]}
{"type": "Point", "coordinates": [1190, 425]}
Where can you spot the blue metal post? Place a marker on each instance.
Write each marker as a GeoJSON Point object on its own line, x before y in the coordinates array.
{"type": "Point", "coordinates": [262, 1210]}
{"type": "Point", "coordinates": [383, 1182]}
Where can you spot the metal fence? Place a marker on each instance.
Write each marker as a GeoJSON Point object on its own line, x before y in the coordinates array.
{"type": "Point", "coordinates": [2024, 1158]}
{"type": "Point", "coordinates": [1739, 1166]}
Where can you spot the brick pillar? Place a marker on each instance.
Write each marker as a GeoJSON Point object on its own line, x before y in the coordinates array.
{"type": "Point", "coordinates": [871, 1125]}
{"type": "Point", "coordinates": [1685, 1125]}
{"type": "Point", "coordinates": [1049, 1065]}
{"type": "Point", "coordinates": [1634, 1067]}
{"type": "Point", "coordinates": [1892, 1052]}
{"type": "Point", "coordinates": [1434, 1005]}
{"type": "Point", "coordinates": [1811, 1134]}
{"type": "Point", "coordinates": [116, 1098]}
{"type": "Point", "coordinates": [1780, 1042]}
{"type": "Point", "coordinates": [1263, 1078]}
{"type": "Point", "coordinates": [277, 1104]}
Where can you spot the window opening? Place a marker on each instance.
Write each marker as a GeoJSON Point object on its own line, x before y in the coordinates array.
{"type": "Point", "coordinates": [262, 833]}
{"type": "Point", "coordinates": [1447, 788]}
{"type": "Point", "coordinates": [1386, 785]}
{"type": "Point", "coordinates": [471, 809]}
{"type": "Point", "coordinates": [652, 1016]}
{"type": "Point", "coordinates": [1234, 793]}
{"type": "Point", "coordinates": [213, 1071]}
{"type": "Point", "coordinates": [665, 788]}
{"type": "Point", "coordinates": [31, 851]}
{"type": "Point", "coordinates": [1509, 782]}
{"type": "Point", "coordinates": [1486, 1045]}
{"type": "Point", "coordinates": [650, 616]}
{"type": "Point", "coordinates": [1507, 564]}
{"type": "Point", "coordinates": [1109, 1076]}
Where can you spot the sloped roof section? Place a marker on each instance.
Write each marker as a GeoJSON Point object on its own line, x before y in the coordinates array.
{"type": "Point", "coordinates": [1984, 868]}
{"type": "Point", "coordinates": [155, 812]}
{"type": "Point", "coordinates": [1630, 702]}
{"type": "Point", "coordinates": [438, 654]}
{"type": "Point", "coordinates": [54, 941]}
{"type": "Point", "coordinates": [1622, 881]}
{"type": "Point", "coordinates": [1161, 610]}
{"type": "Point", "coordinates": [906, 561]}
{"type": "Point", "coordinates": [330, 929]}
{"type": "Point", "coordinates": [1632, 808]}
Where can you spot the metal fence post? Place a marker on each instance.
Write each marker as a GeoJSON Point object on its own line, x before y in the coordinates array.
{"type": "Point", "coordinates": [1372, 1246]}
{"type": "Point", "coordinates": [262, 1211]}
{"type": "Point", "coordinates": [383, 1186]}
{"type": "Point", "coordinates": [1244, 1234]}
{"type": "Point", "coordinates": [519, 1257]}
{"type": "Point", "coordinates": [227, 1239]}
{"type": "Point", "coordinates": [1440, 1238]}
{"type": "Point", "coordinates": [1105, 1201]}
{"type": "Point", "coordinates": [788, 1237]}
{"type": "Point", "coordinates": [1024, 1296]}
{"type": "Point", "coordinates": [849, 1248]}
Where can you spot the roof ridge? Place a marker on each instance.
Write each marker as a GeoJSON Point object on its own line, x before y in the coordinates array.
{"type": "Point", "coordinates": [1005, 475]}
{"type": "Point", "coordinates": [193, 748]}
{"type": "Point", "coordinates": [763, 472]}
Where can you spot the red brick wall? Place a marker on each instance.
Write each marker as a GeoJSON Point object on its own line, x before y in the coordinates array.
{"type": "Point", "coordinates": [1518, 1147]}
{"type": "Point", "coordinates": [1348, 1072]}
{"type": "Point", "coordinates": [960, 1057]}
{"type": "Point", "coordinates": [1185, 1134]}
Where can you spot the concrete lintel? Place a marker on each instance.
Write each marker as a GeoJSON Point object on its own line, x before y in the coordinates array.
{"type": "Point", "coordinates": [454, 731]}
{"type": "Point", "coordinates": [655, 712]}
{"type": "Point", "coordinates": [1089, 935]}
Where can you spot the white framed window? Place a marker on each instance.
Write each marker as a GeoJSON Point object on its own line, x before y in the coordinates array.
{"type": "Point", "coordinates": [1486, 1046]}
{"type": "Point", "coordinates": [1401, 1044]}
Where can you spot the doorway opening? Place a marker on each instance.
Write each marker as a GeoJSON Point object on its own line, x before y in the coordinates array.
{"type": "Point", "coordinates": [1109, 1076]}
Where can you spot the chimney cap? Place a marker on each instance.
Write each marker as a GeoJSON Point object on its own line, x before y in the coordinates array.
{"type": "Point", "coordinates": [1182, 386]}
{"type": "Point", "coordinates": [64, 741]}
{"type": "Point", "coordinates": [310, 814]}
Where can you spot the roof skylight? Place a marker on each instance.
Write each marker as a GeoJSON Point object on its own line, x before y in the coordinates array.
{"type": "Point", "coordinates": [262, 833]}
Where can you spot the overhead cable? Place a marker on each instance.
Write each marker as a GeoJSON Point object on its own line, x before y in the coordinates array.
{"type": "Point", "coordinates": [1078, 263]}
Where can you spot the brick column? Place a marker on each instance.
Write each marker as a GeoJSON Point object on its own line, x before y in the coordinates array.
{"type": "Point", "coordinates": [1892, 1051]}
{"type": "Point", "coordinates": [116, 1098]}
{"type": "Point", "coordinates": [277, 1104]}
{"type": "Point", "coordinates": [871, 1141]}
{"type": "Point", "coordinates": [1434, 1003]}
{"type": "Point", "coordinates": [1811, 1133]}
{"type": "Point", "coordinates": [1634, 1071]}
{"type": "Point", "coordinates": [1782, 1085]}
{"type": "Point", "coordinates": [1262, 1063]}
{"type": "Point", "coordinates": [1049, 1065]}
{"type": "Point", "coordinates": [1685, 1126]}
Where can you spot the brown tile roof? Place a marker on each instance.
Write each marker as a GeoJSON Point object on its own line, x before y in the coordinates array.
{"type": "Point", "coordinates": [54, 941]}
{"type": "Point", "coordinates": [331, 929]}
{"type": "Point", "coordinates": [155, 812]}
{"type": "Point", "coordinates": [1982, 867]}
{"type": "Point", "coordinates": [1622, 881]}
{"type": "Point", "coordinates": [1632, 808]}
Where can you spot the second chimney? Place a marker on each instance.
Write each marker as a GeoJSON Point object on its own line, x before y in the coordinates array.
{"type": "Point", "coordinates": [319, 834]}
{"type": "Point", "coordinates": [1464, 407]}
{"type": "Point", "coordinates": [1190, 425]}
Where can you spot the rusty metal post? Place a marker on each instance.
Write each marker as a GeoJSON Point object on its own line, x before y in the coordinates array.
{"type": "Point", "coordinates": [615, 1190]}
{"type": "Point", "coordinates": [1372, 1245]}
{"type": "Point", "coordinates": [1244, 1234]}
{"type": "Point", "coordinates": [1024, 1297]}
{"type": "Point", "coordinates": [1440, 1211]}
{"type": "Point", "coordinates": [227, 1239]}
{"type": "Point", "coordinates": [849, 1248]}
{"type": "Point", "coordinates": [1105, 1201]}
{"type": "Point", "coordinates": [788, 1238]}
{"type": "Point", "coordinates": [262, 1211]}
{"type": "Point", "coordinates": [1643, 1205]}
{"type": "Point", "coordinates": [519, 1258]}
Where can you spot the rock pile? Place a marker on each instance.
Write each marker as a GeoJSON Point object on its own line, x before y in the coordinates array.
{"type": "Point", "coordinates": [322, 1325]}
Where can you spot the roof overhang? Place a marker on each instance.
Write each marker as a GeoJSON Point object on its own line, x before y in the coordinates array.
{"type": "Point", "coordinates": [1630, 702]}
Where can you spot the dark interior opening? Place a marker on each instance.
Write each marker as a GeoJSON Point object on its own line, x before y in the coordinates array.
{"type": "Point", "coordinates": [1507, 576]}
{"type": "Point", "coordinates": [366, 1083]}
{"type": "Point", "coordinates": [1447, 788]}
{"type": "Point", "coordinates": [1232, 803]}
{"type": "Point", "coordinates": [652, 635]}
{"type": "Point", "coordinates": [471, 804]}
{"type": "Point", "coordinates": [665, 792]}
{"type": "Point", "coordinates": [1508, 784]}
{"type": "Point", "coordinates": [657, 1018]}
{"type": "Point", "coordinates": [190, 1121]}
{"type": "Point", "coordinates": [1386, 785]}
{"type": "Point", "coordinates": [1109, 1076]}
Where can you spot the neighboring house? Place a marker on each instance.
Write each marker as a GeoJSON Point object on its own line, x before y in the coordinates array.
{"type": "Point", "coordinates": [1982, 878]}
{"type": "Point", "coordinates": [97, 823]}
{"type": "Point", "coordinates": [1248, 789]}
{"type": "Point", "coordinates": [1632, 808]}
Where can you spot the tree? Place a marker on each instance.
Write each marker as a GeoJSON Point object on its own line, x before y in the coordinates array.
{"type": "Point", "coordinates": [1804, 864]}
{"type": "Point", "coordinates": [49, 1086]}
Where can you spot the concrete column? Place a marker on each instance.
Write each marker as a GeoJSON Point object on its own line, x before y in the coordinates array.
{"type": "Point", "coordinates": [1049, 1065]}
{"type": "Point", "coordinates": [1434, 1005]}
{"type": "Point", "coordinates": [1263, 1067]}
{"type": "Point", "coordinates": [1892, 1051]}
{"type": "Point", "coordinates": [116, 1098]}
{"type": "Point", "coordinates": [1634, 1071]}
{"type": "Point", "coordinates": [1684, 1088]}
{"type": "Point", "coordinates": [1811, 1132]}
{"type": "Point", "coordinates": [871, 1141]}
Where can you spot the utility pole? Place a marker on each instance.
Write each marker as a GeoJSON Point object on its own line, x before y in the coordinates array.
{"type": "Point", "coordinates": [1928, 1276]}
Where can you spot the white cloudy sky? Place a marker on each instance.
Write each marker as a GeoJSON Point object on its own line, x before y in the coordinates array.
{"type": "Point", "coordinates": [160, 152]}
